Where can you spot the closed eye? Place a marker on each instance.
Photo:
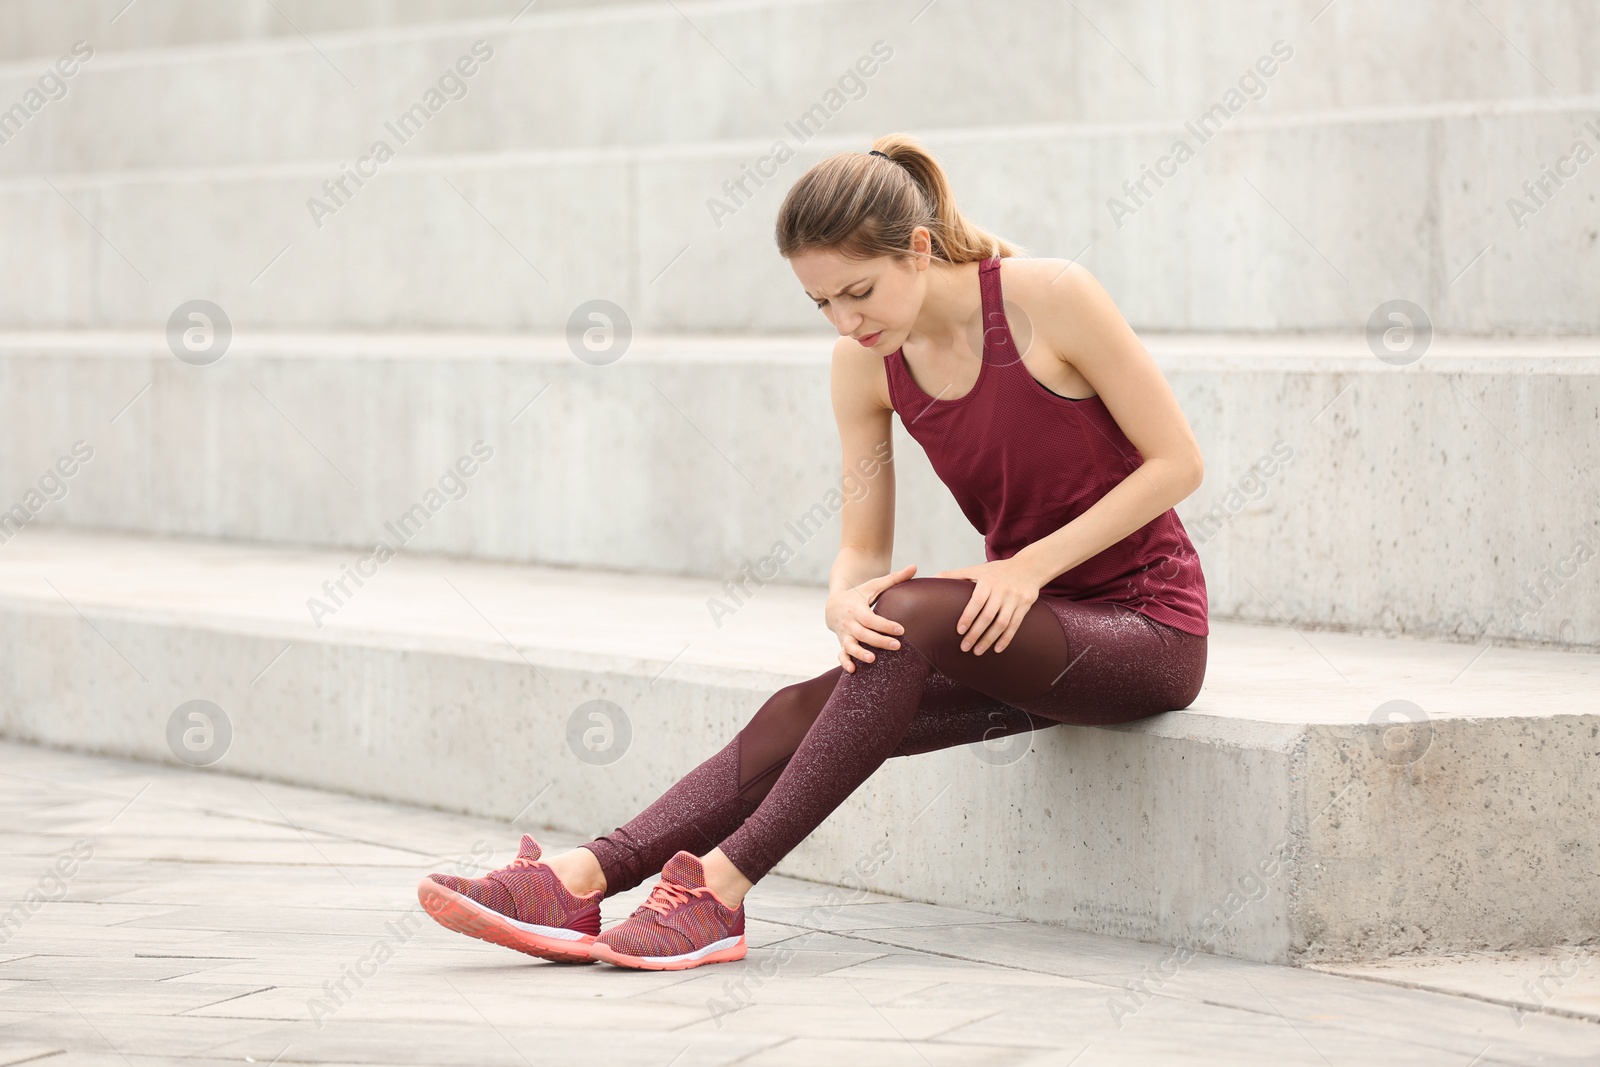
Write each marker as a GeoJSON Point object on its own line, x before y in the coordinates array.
{"type": "Point", "coordinates": [853, 296]}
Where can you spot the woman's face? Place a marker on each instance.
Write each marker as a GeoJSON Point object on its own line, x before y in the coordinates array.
{"type": "Point", "coordinates": [873, 300]}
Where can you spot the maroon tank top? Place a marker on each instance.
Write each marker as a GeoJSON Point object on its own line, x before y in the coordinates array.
{"type": "Point", "coordinates": [1022, 462]}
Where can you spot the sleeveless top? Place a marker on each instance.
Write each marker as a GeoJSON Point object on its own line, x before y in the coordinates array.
{"type": "Point", "coordinates": [1023, 461]}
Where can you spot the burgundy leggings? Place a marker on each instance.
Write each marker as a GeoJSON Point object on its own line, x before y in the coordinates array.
{"type": "Point", "coordinates": [812, 743]}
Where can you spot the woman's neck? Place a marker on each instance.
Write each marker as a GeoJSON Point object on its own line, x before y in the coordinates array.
{"type": "Point", "coordinates": [952, 309]}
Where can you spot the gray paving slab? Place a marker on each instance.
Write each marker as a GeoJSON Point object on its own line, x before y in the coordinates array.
{"type": "Point", "coordinates": [870, 916]}
{"type": "Point", "coordinates": [1561, 981]}
{"type": "Point", "coordinates": [205, 929]}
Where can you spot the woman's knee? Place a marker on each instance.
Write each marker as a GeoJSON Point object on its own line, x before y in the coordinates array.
{"type": "Point", "coordinates": [926, 607]}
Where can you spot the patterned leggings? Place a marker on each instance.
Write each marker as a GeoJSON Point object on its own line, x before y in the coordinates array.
{"type": "Point", "coordinates": [812, 743]}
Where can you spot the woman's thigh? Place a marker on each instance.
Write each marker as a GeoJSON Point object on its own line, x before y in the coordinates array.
{"type": "Point", "coordinates": [1069, 660]}
{"type": "Point", "coordinates": [930, 608]}
{"type": "Point", "coordinates": [1121, 665]}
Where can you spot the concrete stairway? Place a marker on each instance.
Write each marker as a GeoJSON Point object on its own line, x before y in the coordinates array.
{"type": "Point", "coordinates": [1343, 156]}
{"type": "Point", "coordinates": [199, 171]}
{"type": "Point", "coordinates": [1328, 797]}
{"type": "Point", "coordinates": [1340, 492]}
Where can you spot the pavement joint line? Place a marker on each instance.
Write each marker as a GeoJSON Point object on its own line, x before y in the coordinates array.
{"type": "Point", "coordinates": [987, 920]}
{"type": "Point", "coordinates": [892, 1026]}
{"type": "Point", "coordinates": [1276, 1011]}
{"type": "Point", "coordinates": [784, 1040]}
{"type": "Point", "coordinates": [303, 835]}
{"type": "Point", "coordinates": [333, 835]}
{"type": "Point", "coordinates": [1224, 979]}
{"type": "Point", "coordinates": [486, 1021]}
{"type": "Point", "coordinates": [1094, 980]}
{"type": "Point", "coordinates": [1522, 1006]}
{"type": "Point", "coordinates": [85, 1018]}
{"type": "Point", "coordinates": [956, 1026]}
{"type": "Point", "coordinates": [969, 959]}
{"type": "Point", "coordinates": [833, 972]}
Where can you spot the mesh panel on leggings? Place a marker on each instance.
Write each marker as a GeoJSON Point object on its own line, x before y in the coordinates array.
{"type": "Point", "coordinates": [1089, 663]}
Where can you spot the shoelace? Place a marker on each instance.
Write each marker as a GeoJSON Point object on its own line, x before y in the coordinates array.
{"type": "Point", "coordinates": [515, 865]}
{"type": "Point", "coordinates": [668, 895]}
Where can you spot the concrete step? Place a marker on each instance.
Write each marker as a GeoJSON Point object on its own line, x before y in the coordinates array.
{"type": "Point", "coordinates": [1250, 234]}
{"type": "Point", "coordinates": [36, 28]}
{"type": "Point", "coordinates": [1287, 816]}
{"type": "Point", "coordinates": [688, 74]}
{"type": "Point", "coordinates": [1453, 497]}
{"type": "Point", "coordinates": [236, 913]}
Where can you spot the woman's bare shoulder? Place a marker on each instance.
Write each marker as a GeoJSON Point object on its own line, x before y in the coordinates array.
{"type": "Point", "coordinates": [1059, 296]}
{"type": "Point", "coordinates": [859, 380]}
{"type": "Point", "coordinates": [1043, 280]}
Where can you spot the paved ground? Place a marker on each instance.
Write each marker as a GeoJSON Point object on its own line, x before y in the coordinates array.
{"type": "Point", "coordinates": [205, 919]}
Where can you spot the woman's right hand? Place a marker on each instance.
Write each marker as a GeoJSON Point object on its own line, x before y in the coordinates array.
{"type": "Point", "coordinates": [850, 616]}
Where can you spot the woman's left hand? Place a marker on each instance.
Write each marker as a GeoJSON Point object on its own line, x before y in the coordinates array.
{"type": "Point", "coordinates": [1006, 589]}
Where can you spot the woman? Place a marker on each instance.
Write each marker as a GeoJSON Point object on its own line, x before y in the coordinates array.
{"type": "Point", "coordinates": [1063, 444]}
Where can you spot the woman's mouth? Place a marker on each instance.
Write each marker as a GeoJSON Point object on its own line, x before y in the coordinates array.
{"type": "Point", "coordinates": [869, 340]}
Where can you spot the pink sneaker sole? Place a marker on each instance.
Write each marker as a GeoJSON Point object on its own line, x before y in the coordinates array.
{"type": "Point", "coordinates": [724, 951]}
{"type": "Point", "coordinates": [466, 916]}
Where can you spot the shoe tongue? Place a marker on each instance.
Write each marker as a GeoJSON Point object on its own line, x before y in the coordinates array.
{"type": "Point", "coordinates": [685, 869]}
{"type": "Point", "coordinates": [529, 848]}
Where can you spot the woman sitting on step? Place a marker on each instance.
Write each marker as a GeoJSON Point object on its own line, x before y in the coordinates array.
{"type": "Point", "coordinates": [1061, 441]}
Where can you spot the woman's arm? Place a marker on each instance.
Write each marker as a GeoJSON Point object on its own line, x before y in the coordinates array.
{"type": "Point", "coordinates": [866, 446]}
{"type": "Point", "coordinates": [866, 539]}
{"type": "Point", "coordinates": [1076, 318]}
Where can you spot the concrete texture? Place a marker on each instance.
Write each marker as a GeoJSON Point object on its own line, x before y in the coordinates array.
{"type": "Point", "coordinates": [1563, 982]}
{"type": "Point", "coordinates": [267, 93]}
{"type": "Point", "coordinates": [1287, 816]}
{"type": "Point", "coordinates": [212, 919]}
{"type": "Point", "coordinates": [607, 152]}
{"type": "Point", "coordinates": [1453, 498]}
{"type": "Point", "coordinates": [1250, 235]}
{"type": "Point", "coordinates": [36, 28]}
{"type": "Point", "coordinates": [1372, 164]}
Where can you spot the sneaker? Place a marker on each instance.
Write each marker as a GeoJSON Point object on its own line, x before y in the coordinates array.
{"type": "Point", "coordinates": [681, 924]}
{"type": "Point", "coordinates": [523, 906]}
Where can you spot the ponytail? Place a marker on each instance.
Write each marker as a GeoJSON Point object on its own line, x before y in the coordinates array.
{"type": "Point", "coordinates": [865, 206]}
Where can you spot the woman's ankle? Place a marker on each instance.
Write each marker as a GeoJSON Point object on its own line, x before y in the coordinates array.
{"type": "Point", "coordinates": [579, 871]}
{"type": "Point", "coordinates": [724, 879]}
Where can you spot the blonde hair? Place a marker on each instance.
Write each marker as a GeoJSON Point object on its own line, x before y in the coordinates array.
{"type": "Point", "coordinates": [864, 206]}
